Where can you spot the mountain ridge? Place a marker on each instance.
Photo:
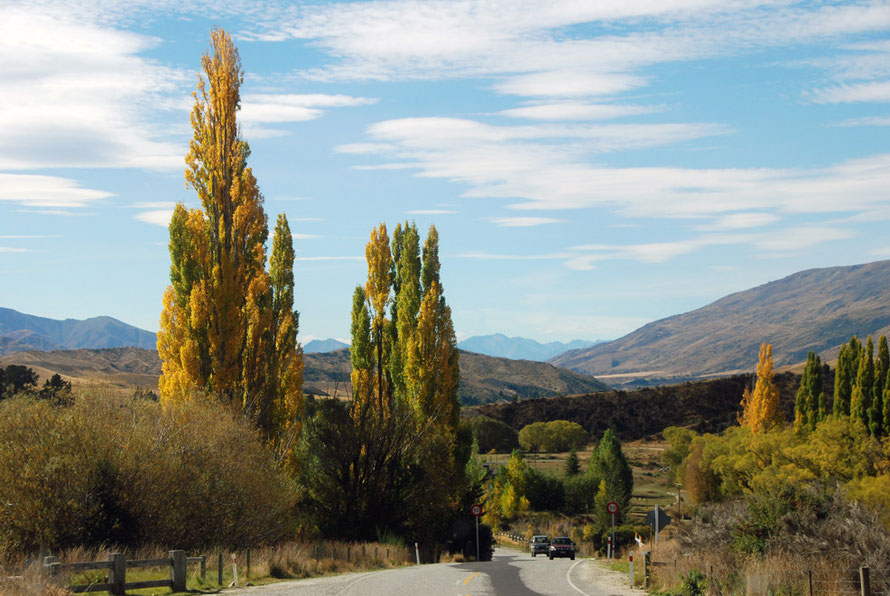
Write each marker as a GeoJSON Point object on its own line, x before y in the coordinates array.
{"type": "Point", "coordinates": [520, 348]}
{"type": "Point", "coordinates": [22, 332]}
{"type": "Point", "coordinates": [812, 310]}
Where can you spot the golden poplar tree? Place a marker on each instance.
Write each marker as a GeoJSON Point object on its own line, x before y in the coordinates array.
{"type": "Point", "coordinates": [228, 331]}
{"type": "Point", "coordinates": [378, 291]}
{"type": "Point", "coordinates": [760, 408]}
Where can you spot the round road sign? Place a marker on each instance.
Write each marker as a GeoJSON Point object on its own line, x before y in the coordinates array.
{"type": "Point", "coordinates": [476, 510]}
{"type": "Point", "coordinates": [612, 507]}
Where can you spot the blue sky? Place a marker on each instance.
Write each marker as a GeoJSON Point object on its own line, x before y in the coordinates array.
{"type": "Point", "coordinates": [590, 166]}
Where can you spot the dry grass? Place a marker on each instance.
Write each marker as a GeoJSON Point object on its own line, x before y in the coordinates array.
{"type": "Point", "coordinates": [268, 564]}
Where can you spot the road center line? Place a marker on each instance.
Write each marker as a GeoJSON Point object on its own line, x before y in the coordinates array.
{"type": "Point", "coordinates": [466, 581]}
{"type": "Point", "coordinates": [569, 578]}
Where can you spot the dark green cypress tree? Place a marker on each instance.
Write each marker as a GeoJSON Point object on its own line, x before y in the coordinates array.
{"type": "Point", "coordinates": [573, 466]}
{"type": "Point", "coordinates": [843, 383]}
{"type": "Point", "coordinates": [882, 365]}
{"type": "Point", "coordinates": [610, 465]}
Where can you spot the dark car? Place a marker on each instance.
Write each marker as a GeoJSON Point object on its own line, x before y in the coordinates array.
{"type": "Point", "coordinates": [561, 546]}
{"type": "Point", "coordinates": [539, 545]}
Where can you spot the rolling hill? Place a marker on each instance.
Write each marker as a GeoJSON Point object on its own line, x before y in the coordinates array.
{"type": "Point", "coordinates": [484, 379]}
{"type": "Point", "coordinates": [816, 310]}
{"type": "Point", "coordinates": [20, 332]}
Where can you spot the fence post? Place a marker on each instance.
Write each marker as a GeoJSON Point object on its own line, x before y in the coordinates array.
{"type": "Point", "coordinates": [647, 564]}
{"type": "Point", "coordinates": [219, 569]}
{"type": "Point", "coordinates": [203, 567]}
{"type": "Point", "coordinates": [177, 574]}
{"type": "Point", "coordinates": [865, 581]}
{"type": "Point", "coordinates": [247, 573]}
{"type": "Point", "coordinates": [810, 576]}
{"type": "Point", "coordinates": [49, 565]}
{"type": "Point", "coordinates": [118, 579]}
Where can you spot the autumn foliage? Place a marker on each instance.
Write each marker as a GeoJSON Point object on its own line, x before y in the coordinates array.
{"type": "Point", "coordinates": [760, 407]}
{"type": "Point", "coordinates": [228, 328]}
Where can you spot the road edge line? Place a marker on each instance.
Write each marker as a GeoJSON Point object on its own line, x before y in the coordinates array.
{"type": "Point", "coordinates": [569, 577]}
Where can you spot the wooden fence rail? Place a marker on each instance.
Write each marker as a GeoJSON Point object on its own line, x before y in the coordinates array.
{"type": "Point", "coordinates": [117, 577]}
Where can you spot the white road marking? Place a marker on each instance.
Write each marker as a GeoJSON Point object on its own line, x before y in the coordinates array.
{"type": "Point", "coordinates": [569, 578]}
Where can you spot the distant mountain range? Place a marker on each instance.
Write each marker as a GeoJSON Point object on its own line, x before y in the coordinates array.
{"type": "Point", "coordinates": [520, 348]}
{"type": "Point", "coordinates": [323, 345]}
{"type": "Point", "coordinates": [483, 379]}
{"type": "Point", "coordinates": [816, 310]}
{"type": "Point", "coordinates": [20, 332]}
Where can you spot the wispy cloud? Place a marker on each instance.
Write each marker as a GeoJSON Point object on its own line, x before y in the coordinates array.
{"type": "Point", "coordinates": [11, 249]}
{"type": "Point", "coordinates": [47, 191]}
{"type": "Point", "coordinates": [576, 111]}
{"type": "Point", "coordinates": [156, 217]}
{"type": "Point", "coordinates": [296, 236]}
{"type": "Point", "coordinates": [523, 222]}
{"type": "Point", "coordinates": [877, 91]}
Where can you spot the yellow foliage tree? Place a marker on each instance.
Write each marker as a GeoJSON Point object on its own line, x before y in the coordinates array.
{"type": "Point", "coordinates": [760, 408]}
{"type": "Point", "coordinates": [227, 329]}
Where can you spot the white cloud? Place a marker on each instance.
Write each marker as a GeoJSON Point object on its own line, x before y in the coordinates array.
{"type": "Point", "coordinates": [156, 217]}
{"type": "Point", "coordinates": [265, 108]}
{"type": "Point", "coordinates": [305, 236]}
{"type": "Point", "coordinates": [575, 111]}
{"type": "Point", "coordinates": [524, 164]}
{"type": "Point", "coordinates": [737, 221]}
{"type": "Point", "coordinates": [7, 249]}
{"type": "Point", "coordinates": [866, 121]}
{"type": "Point", "coordinates": [77, 94]}
{"type": "Point", "coordinates": [523, 222]}
{"type": "Point", "coordinates": [47, 191]}
{"type": "Point", "coordinates": [876, 91]}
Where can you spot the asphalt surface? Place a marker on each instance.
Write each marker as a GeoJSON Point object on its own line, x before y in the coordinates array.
{"type": "Point", "coordinates": [510, 573]}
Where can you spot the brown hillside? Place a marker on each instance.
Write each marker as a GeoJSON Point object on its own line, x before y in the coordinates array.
{"type": "Point", "coordinates": [813, 310]}
{"type": "Point", "coordinates": [483, 378]}
{"type": "Point", "coordinates": [705, 406]}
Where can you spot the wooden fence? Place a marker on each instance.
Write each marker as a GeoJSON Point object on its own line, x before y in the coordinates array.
{"type": "Point", "coordinates": [117, 565]}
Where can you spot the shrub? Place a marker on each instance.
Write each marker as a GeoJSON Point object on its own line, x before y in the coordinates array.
{"type": "Point", "coordinates": [694, 583]}
{"type": "Point", "coordinates": [552, 437]}
{"type": "Point", "coordinates": [492, 434]}
{"type": "Point", "coordinates": [125, 471]}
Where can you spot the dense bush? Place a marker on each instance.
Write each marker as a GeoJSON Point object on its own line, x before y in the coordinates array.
{"type": "Point", "coordinates": [555, 436]}
{"type": "Point", "coordinates": [125, 471]}
{"type": "Point", "coordinates": [492, 434]}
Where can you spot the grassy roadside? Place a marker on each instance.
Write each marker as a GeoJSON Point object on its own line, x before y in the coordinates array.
{"type": "Point", "coordinates": [267, 565]}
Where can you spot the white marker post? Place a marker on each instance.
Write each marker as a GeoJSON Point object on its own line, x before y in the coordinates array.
{"type": "Point", "coordinates": [656, 524]}
{"type": "Point", "coordinates": [234, 571]}
{"type": "Point", "coordinates": [417, 552]}
{"type": "Point", "coordinates": [609, 549]}
{"type": "Point", "coordinates": [631, 560]}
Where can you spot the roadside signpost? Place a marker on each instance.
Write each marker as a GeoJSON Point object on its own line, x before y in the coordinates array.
{"type": "Point", "coordinates": [476, 510]}
{"type": "Point", "coordinates": [612, 508]}
{"type": "Point", "coordinates": [657, 519]}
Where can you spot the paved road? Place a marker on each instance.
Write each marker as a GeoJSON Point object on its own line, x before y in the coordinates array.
{"type": "Point", "coordinates": [510, 573]}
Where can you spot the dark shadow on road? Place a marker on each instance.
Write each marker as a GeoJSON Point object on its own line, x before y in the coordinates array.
{"type": "Point", "coordinates": [502, 573]}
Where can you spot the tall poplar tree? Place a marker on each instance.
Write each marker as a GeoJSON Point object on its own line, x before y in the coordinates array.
{"type": "Point", "coordinates": [760, 407]}
{"type": "Point", "coordinates": [861, 400]}
{"type": "Point", "coordinates": [843, 382]}
{"type": "Point", "coordinates": [228, 328]}
{"type": "Point", "coordinates": [809, 406]}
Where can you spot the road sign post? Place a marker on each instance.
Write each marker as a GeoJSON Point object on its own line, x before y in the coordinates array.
{"type": "Point", "coordinates": [612, 508]}
{"type": "Point", "coordinates": [476, 510]}
{"type": "Point", "coordinates": [631, 564]}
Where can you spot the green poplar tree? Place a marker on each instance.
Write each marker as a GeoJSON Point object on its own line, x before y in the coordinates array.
{"type": "Point", "coordinates": [843, 383]}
